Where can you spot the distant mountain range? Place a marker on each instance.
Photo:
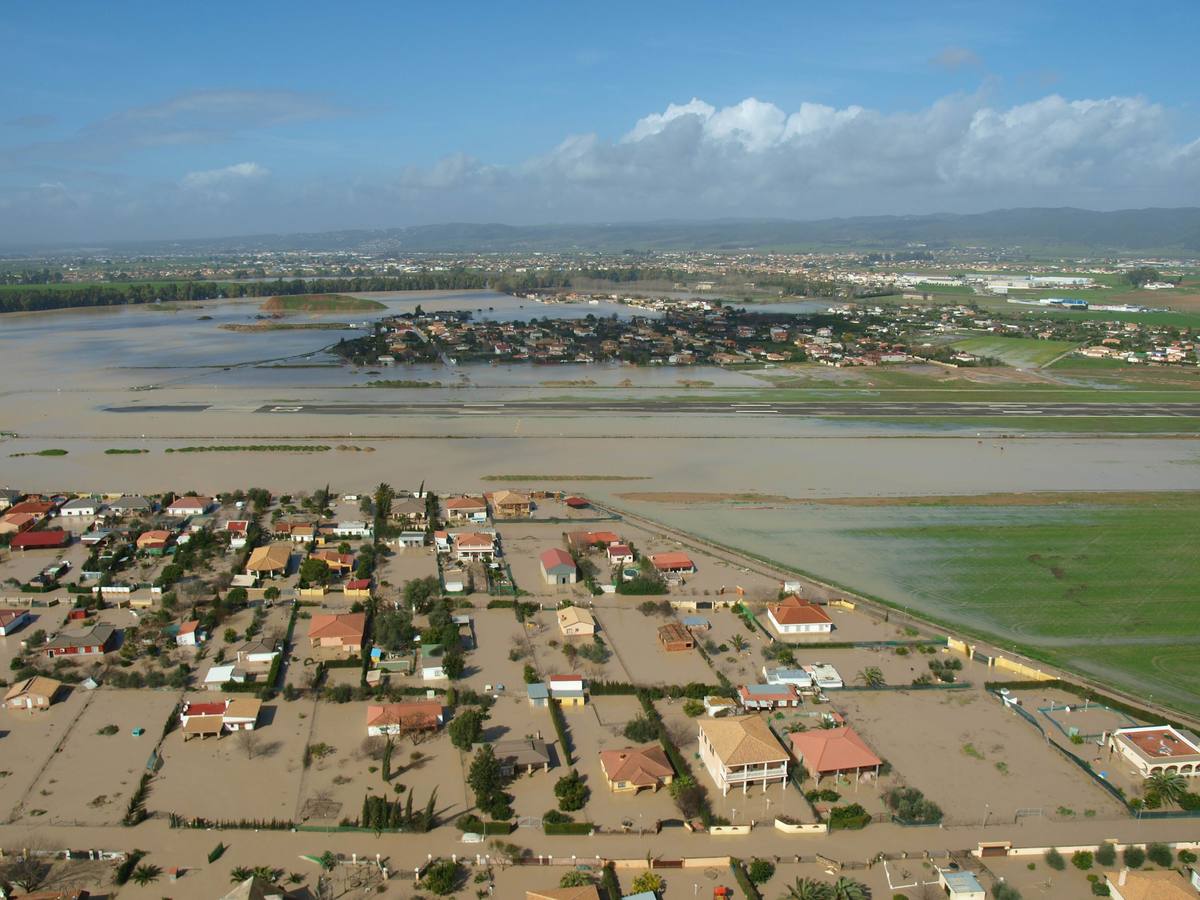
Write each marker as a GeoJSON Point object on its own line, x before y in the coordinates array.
{"type": "Point", "coordinates": [1034, 231]}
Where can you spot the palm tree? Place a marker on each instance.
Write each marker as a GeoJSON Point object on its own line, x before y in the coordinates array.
{"type": "Point", "coordinates": [808, 889]}
{"type": "Point", "coordinates": [145, 874]}
{"type": "Point", "coordinates": [848, 889]}
{"type": "Point", "coordinates": [1169, 787]}
{"type": "Point", "coordinates": [738, 643]}
{"type": "Point", "coordinates": [871, 677]}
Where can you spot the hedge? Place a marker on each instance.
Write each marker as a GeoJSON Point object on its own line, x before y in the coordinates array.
{"type": "Point", "coordinates": [608, 879]}
{"type": "Point", "coordinates": [743, 880]}
{"type": "Point", "coordinates": [568, 828]}
{"type": "Point", "coordinates": [560, 727]}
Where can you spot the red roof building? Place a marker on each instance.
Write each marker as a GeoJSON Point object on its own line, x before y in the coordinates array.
{"type": "Point", "coordinates": [41, 540]}
{"type": "Point", "coordinates": [834, 751]}
{"type": "Point", "coordinates": [34, 507]}
{"type": "Point", "coordinates": [675, 561]}
{"type": "Point", "coordinates": [794, 615]}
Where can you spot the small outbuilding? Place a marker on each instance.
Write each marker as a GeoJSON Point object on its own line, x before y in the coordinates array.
{"type": "Point", "coordinates": [558, 567]}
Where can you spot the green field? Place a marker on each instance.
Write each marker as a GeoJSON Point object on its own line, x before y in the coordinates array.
{"type": "Point", "coordinates": [320, 303]}
{"type": "Point", "coordinates": [1103, 584]}
{"type": "Point", "coordinates": [1021, 353]}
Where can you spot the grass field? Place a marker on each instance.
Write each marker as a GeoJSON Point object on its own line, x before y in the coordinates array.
{"type": "Point", "coordinates": [1101, 584]}
{"type": "Point", "coordinates": [1021, 353]}
{"type": "Point", "coordinates": [320, 303]}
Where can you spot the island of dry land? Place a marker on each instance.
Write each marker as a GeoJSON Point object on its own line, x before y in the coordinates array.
{"type": "Point", "coordinates": [320, 303]}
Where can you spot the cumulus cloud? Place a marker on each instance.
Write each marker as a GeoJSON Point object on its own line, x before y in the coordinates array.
{"type": "Point", "coordinates": [954, 58]}
{"type": "Point", "coordinates": [693, 159]}
{"type": "Point", "coordinates": [208, 178]}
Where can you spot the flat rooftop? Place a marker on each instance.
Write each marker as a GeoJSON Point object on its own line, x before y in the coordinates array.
{"type": "Point", "coordinates": [1161, 743]}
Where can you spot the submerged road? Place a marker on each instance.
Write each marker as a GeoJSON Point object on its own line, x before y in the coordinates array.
{"type": "Point", "coordinates": [658, 407]}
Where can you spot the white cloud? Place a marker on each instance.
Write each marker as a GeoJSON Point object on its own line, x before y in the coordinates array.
{"type": "Point", "coordinates": [209, 178]}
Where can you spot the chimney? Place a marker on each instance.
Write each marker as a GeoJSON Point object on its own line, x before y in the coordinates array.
{"type": "Point", "coordinates": [1121, 878]}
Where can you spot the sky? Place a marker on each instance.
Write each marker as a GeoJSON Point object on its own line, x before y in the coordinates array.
{"type": "Point", "coordinates": [137, 120]}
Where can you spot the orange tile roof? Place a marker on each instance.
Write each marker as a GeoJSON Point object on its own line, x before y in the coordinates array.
{"type": "Point", "coordinates": [638, 765]}
{"type": "Point", "coordinates": [794, 611]}
{"type": "Point", "coordinates": [343, 625]}
{"type": "Point", "coordinates": [833, 750]}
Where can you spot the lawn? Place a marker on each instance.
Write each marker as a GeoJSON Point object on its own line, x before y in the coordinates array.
{"type": "Point", "coordinates": [320, 303]}
{"type": "Point", "coordinates": [1102, 584]}
{"type": "Point", "coordinates": [1022, 353]}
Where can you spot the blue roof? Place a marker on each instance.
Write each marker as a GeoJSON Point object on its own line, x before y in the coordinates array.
{"type": "Point", "coordinates": [642, 895]}
{"type": "Point", "coordinates": [537, 691]}
{"type": "Point", "coordinates": [964, 882]}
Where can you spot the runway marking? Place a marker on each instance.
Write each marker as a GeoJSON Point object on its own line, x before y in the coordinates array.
{"type": "Point", "coordinates": [286, 409]}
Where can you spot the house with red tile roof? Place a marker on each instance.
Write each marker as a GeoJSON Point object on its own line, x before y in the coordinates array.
{"type": "Point", "coordinates": [11, 620]}
{"type": "Point", "coordinates": [558, 567]}
{"type": "Point", "coordinates": [465, 509]}
{"type": "Point", "coordinates": [834, 751]}
{"type": "Point", "coordinates": [633, 768]}
{"type": "Point", "coordinates": [474, 545]}
{"type": "Point", "coordinates": [189, 506]}
{"type": "Point", "coordinates": [675, 562]}
{"type": "Point", "coordinates": [768, 696]}
{"type": "Point", "coordinates": [337, 634]}
{"type": "Point", "coordinates": [400, 718]}
{"type": "Point", "coordinates": [793, 615]}
{"type": "Point", "coordinates": [51, 539]}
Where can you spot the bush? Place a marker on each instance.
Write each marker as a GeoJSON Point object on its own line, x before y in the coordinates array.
{"type": "Point", "coordinates": [571, 792]}
{"type": "Point", "coordinates": [442, 877]}
{"type": "Point", "coordinates": [575, 878]}
{"type": "Point", "coordinates": [909, 805]}
{"type": "Point", "coordinates": [1003, 891]}
{"type": "Point", "coordinates": [1055, 860]}
{"type": "Point", "coordinates": [850, 818]}
{"type": "Point", "coordinates": [641, 730]}
{"type": "Point", "coordinates": [1100, 889]}
{"type": "Point", "coordinates": [1160, 855]}
{"type": "Point", "coordinates": [760, 870]}
{"type": "Point", "coordinates": [693, 708]}
{"type": "Point", "coordinates": [1106, 854]}
{"type": "Point", "coordinates": [1134, 857]}
{"type": "Point", "coordinates": [1082, 860]}
{"type": "Point", "coordinates": [1187, 857]}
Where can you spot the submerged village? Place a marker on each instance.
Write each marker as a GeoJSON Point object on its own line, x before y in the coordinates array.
{"type": "Point", "coordinates": [516, 694]}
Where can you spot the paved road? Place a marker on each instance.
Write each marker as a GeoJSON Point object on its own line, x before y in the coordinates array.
{"type": "Point", "coordinates": [869, 410]}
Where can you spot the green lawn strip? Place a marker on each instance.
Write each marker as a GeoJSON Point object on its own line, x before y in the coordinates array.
{"type": "Point", "coordinates": [1011, 425]}
{"type": "Point", "coordinates": [1020, 352]}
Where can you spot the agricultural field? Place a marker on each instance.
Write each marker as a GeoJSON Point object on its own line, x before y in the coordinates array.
{"type": "Point", "coordinates": [1099, 583]}
{"type": "Point", "coordinates": [1021, 353]}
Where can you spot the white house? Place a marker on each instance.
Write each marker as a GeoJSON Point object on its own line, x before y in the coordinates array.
{"type": "Point", "coordinates": [11, 620]}
{"type": "Point", "coordinates": [796, 616]}
{"type": "Point", "coordinates": [353, 529]}
{"type": "Point", "coordinates": [216, 677]}
{"type": "Point", "coordinates": [1154, 749]}
{"type": "Point", "coordinates": [824, 676]}
{"type": "Point", "coordinates": [960, 885]}
{"type": "Point", "coordinates": [79, 508]}
{"type": "Point", "coordinates": [410, 540]}
{"type": "Point", "coordinates": [189, 634]}
{"type": "Point", "coordinates": [742, 752]}
{"type": "Point", "coordinates": [784, 675]}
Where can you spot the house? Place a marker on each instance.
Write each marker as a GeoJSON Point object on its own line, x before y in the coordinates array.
{"type": "Point", "coordinates": [719, 706]}
{"type": "Point", "coordinates": [574, 621]}
{"type": "Point", "coordinates": [834, 751]}
{"type": "Point", "coordinates": [256, 654]}
{"type": "Point", "coordinates": [296, 532]}
{"type": "Point", "coordinates": [11, 620]}
{"type": "Point", "coordinates": [585, 540]}
{"type": "Point", "coordinates": [217, 676]}
{"type": "Point", "coordinates": [619, 554]}
{"type": "Point", "coordinates": [521, 755]}
{"type": "Point", "coordinates": [153, 542]}
{"type": "Point", "coordinates": [39, 508]}
{"type": "Point", "coordinates": [353, 529]}
{"type": "Point", "coordinates": [336, 562]}
{"type": "Point", "coordinates": [189, 506]}
{"type": "Point", "coordinates": [792, 615]}
{"type": "Point", "coordinates": [741, 752]}
{"type": "Point", "coordinates": [1152, 749]}
{"type": "Point", "coordinates": [37, 692]}
{"type": "Point", "coordinates": [824, 676]}
{"type": "Point", "coordinates": [784, 675]}
{"type": "Point", "coordinates": [410, 540]}
{"type": "Point", "coordinates": [675, 562]}
{"type": "Point", "coordinates": [442, 542]}
{"type": "Point", "coordinates": [357, 587]}
{"type": "Point", "coordinates": [98, 639]}
{"type": "Point", "coordinates": [51, 539]}
{"type": "Point", "coordinates": [189, 634]}
{"type": "Point", "coordinates": [510, 505]}
{"type": "Point", "coordinates": [634, 768]}
{"type": "Point", "coordinates": [1163, 884]}
{"type": "Point", "coordinates": [337, 634]}
{"type": "Point", "coordinates": [432, 668]}
{"type": "Point", "coordinates": [411, 511]}
{"type": "Point", "coordinates": [538, 693]}
{"type": "Point", "coordinates": [577, 502]}
{"type": "Point", "coordinates": [130, 505]}
{"type": "Point", "coordinates": [567, 689]}
{"type": "Point", "coordinates": [768, 696]}
{"type": "Point", "coordinates": [269, 561]}
{"type": "Point", "coordinates": [673, 638]}
{"type": "Point", "coordinates": [241, 713]}
{"type": "Point", "coordinates": [8, 497]}
{"type": "Point", "coordinates": [558, 567]}
{"type": "Point", "coordinates": [586, 892]}
{"type": "Point", "coordinates": [14, 523]}
{"type": "Point", "coordinates": [465, 509]}
{"type": "Point", "coordinates": [79, 508]}
{"type": "Point", "coordinates": [402, 718]}
{"type": "Point", "coordinates": [960, 885]}
{"type": "Point", "coordinates": [237, 530]}
{"type": "Point", "coordinates": [474, 545]}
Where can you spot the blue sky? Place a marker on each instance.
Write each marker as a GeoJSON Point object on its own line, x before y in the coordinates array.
{"type": "Point", "coordinates": [139, 120]}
